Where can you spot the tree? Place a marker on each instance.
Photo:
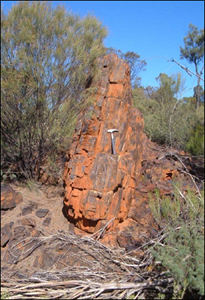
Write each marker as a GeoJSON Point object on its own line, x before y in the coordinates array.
{"type": "Point", "coordinates": [169, 87]}
{"type": "Point", "coordinates": [47, 55]}
{"type": "Point", "coordinates": [136, 65]}
{"type": "Point", "coordinates": [193, 51]}
{"type": "Point", "coordinates": [169, 120]}
{"type": "Point", "coordinates": [199, 93]}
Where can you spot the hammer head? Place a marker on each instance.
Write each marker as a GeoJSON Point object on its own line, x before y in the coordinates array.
{"type": "Point", "coordinates": [112, 130]}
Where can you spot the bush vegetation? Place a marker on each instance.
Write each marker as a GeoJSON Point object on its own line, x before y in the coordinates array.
{"type": "Point", "coordinates": [181, 249]}
{"type": "Point", "coordinates": [195, 144]}
{"type": "Point", "coordinates": [169, 119]}
{"type": "Point", "coordinates": [47, 57]}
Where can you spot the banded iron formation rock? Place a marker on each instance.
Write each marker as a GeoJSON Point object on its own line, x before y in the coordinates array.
{"type": "Point", "coordinates": [108, 194]}
{"type": "Point", "coordinates": [100, 185]}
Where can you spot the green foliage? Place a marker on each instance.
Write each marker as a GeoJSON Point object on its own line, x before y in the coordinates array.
{"type": "Point", "coordinates": [9, 175]}
{"type": "Point", "coordinates": [193, 51]}
{"type": "Point", "coordinates": [182, 251]}
{"type": "Point", "coordinates": [47, 56]}
{"type": "Point", "coordinates": [184, 119]}
{"type": "Point", "coordinates": [199, 92]}
{"type": "Point", "coordinates": [195, 145]}
{"type": "Point", "coordinates": [164, 207]}
{"type": "Point", "coordinates": [5, 295]}
{"type": "Point", "coordinates": [168, 120]}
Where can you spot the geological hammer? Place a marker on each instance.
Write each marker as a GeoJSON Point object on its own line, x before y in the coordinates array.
{"type": "Point", "coordinates": [112, 139]}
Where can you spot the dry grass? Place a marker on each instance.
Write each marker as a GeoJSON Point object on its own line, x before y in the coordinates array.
{"type": "Point", "coordinates": [110, 274]}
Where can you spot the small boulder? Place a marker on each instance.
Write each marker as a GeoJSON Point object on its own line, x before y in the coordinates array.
{"type": "Point", "coordinates": [47, 221]}
{"type": "Point", "coordinates": [41, 213]}
{"type": "Point", "coordinates": [9, 198]}
{"type": "Point", "coordinates": [27, 210]}
{"type": "Point", "coordinates": [6, 233]}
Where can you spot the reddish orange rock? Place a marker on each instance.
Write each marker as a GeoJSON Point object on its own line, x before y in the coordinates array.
{"type": "Point", "coordinates": [9, 198]}
{"type": "Point", "coordinates": [100, 185]}
{"type": "Point", "coordinates": [112, 191]}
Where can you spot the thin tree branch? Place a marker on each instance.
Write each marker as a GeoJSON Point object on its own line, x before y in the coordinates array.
{"type": "Point", "coordinates": [189, 72]}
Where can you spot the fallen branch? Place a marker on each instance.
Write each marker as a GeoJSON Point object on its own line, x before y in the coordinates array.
{"type": "Point", "coordinates": [85, 289]}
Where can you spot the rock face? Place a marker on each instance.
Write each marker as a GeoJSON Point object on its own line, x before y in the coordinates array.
{"type": "Point", "coordinates": [108, 194]}
{"type": "Point", "coordinates": [100, 185]}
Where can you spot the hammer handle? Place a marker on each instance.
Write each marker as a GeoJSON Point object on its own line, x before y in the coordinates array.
{"type": "Point", "coordinates": [113, 146]}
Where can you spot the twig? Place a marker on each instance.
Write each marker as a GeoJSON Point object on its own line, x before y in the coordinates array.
{"type": "Point", "coordinates": [100, 232]}
{"type": "Point", "coordinates": [107, 274]}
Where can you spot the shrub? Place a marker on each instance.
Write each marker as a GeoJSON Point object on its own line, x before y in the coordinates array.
{"type": "Point", "coordinates": [47, 56]}
{"type": "Point", "coordinates": [182, 250]}
{"type": "Point", "coordinates": [195, 145]}
{"type": "Point", "coordinates": [168, 120]}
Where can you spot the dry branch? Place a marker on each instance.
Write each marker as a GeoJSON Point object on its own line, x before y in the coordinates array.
{"type": "Point", "coordinates": [189, 72]}
{"type": "Point", "coordinates": [109, 274]}
{"type": "Point", "coordinates": [85, 289]}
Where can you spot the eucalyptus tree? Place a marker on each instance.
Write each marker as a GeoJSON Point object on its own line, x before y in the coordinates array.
{"type": "Point", "coordinates": [167, 120]}
{"type": "Point", "coordinates": [193, 51]}
{"type": "Point", "coordinates": [47, 54]}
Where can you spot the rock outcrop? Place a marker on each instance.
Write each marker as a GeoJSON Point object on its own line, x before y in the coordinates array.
{"type": "Point", "coordinates": [106, 190]}
{"type": "Point", "coordinates": [100, 185]}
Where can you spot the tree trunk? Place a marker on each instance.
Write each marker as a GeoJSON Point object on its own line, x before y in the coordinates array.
{"type": "Point", "coordinates": [198, 90]}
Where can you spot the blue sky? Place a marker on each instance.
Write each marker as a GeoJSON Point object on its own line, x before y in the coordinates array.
{"type": "Point", "coordinates": [153, 29]}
